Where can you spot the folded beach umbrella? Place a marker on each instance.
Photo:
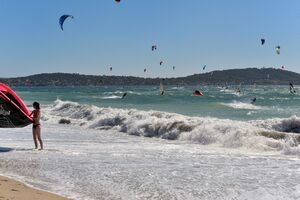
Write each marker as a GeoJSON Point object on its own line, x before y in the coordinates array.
{"type": "Point", "coordinates": [13, 111]}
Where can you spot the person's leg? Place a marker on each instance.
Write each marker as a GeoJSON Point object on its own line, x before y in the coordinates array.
{"type": "Point", "coordinates": [34, 137]}
{"type": "Point", "coordinates": [38, 130]}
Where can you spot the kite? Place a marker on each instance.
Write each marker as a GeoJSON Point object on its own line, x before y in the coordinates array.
{"type": "Point", "coordinates": [277, 50]}
{"type": "Point", "coordinates": [62, 20]}
{"type": "Point", "coordinates": [13, 111]}
{"type": "Point", "coordinates": [153, 47]}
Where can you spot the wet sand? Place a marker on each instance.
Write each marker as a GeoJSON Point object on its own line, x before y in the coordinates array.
{"type": "Point", "coordinates": [14, 190]}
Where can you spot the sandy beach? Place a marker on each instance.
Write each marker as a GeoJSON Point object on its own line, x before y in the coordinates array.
{"type": "Point", "coordinates": [11, 189]}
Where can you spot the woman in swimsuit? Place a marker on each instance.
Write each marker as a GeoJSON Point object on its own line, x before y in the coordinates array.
{"type": "Point", "coordinates": [36, 127]}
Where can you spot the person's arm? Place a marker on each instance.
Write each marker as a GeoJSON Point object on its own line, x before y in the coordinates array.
{"type": "Point", "coordinates": [38, 115]}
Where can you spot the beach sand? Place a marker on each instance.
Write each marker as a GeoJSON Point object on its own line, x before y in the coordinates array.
{"type": "Point", "coordinates": [14, 190]}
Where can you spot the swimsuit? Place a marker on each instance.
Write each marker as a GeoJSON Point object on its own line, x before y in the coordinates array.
{"type": "Point", "coordinates": [35, 125]}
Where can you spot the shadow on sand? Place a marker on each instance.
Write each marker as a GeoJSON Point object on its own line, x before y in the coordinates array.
{"type": "Point", "coordinates": [5, 149]}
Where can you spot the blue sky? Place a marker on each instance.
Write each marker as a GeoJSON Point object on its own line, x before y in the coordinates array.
{"type": "Point", "coordinates": [222, 34]}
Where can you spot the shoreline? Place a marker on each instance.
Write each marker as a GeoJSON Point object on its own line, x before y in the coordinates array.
{"type": "Point", "coordinates": [12, 189]}
{"type": "Point", "coordinates": [82, 163]}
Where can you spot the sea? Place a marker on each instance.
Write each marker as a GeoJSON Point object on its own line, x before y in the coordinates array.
{"type": "Point", "coordinates": [152, 146]}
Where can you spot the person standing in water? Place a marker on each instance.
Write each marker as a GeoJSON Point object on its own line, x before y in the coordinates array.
{"type": "Point", "coordinates": [36, 127]}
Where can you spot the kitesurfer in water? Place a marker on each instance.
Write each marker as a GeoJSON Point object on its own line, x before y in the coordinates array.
{"type": "Point", "coordinates": [36, 127]}
{"type": "Point", "coordinates": [253, 100]}
{"type": "Point", "coordinates": [292, 89]}
{"type": "Point", "coordinates": [124, 95]}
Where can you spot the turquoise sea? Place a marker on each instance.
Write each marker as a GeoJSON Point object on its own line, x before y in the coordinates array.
{"type": "Point", "coordinates": [218, 102]}
{"type": "Point", "coordinates": [148, 146]}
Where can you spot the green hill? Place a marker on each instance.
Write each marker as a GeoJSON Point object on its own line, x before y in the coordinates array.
{"type": "Point", "coordinates": [264, 76]}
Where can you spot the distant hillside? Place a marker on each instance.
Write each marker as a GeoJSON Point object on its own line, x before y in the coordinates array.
{"type": "Point", "coordinates": [247, 76]}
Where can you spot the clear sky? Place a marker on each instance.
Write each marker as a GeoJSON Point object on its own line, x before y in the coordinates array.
{"type": "Point", "coordinates": [222, 34]}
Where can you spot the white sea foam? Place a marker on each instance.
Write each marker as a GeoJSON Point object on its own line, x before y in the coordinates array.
{"type": "Point", "coordinates": [203, 158]}
{"type": "Point", "coordinates": [242, 106]}
{"type": "Point", "coordinates": [118, 92]}
{"type": "Point", "coordinates": [111, 97]}
{"type": "Point", "coordinates": [289, 125]}
{"type": "Point", "coordinates": [231, 91]}
{"type": "Point", "coordinates": [178, 88]}
{"type": "Point", "coordinates": [202, 130]}
{"type": "Point", "coordinates": [92, 164]}
{"type": "Point", "coordinates": [115, 92]}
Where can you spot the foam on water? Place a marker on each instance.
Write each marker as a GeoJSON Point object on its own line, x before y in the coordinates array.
{"type": "Point", "coordinates": [178, 88]}
{"type": "Point", "coordinates": [242, 105]}
{"type": "Point", "coordinates": [94, 164]}
{"type": "Point", "coordinates": [111, 97]}
{"type": "Point", "coordinates": [289, 125]}
{"type": "Point", "coordinates": [171, 126]}
{"type": "Point", "coordinates": [118, 92]}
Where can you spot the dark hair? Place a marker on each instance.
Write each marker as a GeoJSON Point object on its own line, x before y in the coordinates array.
{"type": "Point", "coordinates": [36, 105]}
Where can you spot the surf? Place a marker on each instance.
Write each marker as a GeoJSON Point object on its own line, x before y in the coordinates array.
{"type": "Point", "coordinates": [171, 126]}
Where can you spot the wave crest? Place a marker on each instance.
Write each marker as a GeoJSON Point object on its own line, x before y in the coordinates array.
{"type": "Point", "coordinates": [288, 125]}
{"type": "Point", "coordinates": [203, 130]}
{"type": "Point", "coordinates": [242, 106]}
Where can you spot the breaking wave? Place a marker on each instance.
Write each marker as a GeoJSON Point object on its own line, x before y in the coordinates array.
{"type": "Point", "coordinates": [242, 106]}
{"type": "Point", "coordinates": [111, 97]}
{"type": "Point", "coordinates": [255, 135]}
{"type": "Point", "coordinates": [288, 125]}
{"type": "Point", "coordinates": [119, 92]}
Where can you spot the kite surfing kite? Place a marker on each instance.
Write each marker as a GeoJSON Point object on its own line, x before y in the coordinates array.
{"type": "Point", "coordinates": [277, 50]}
{"type": "Point", "coordinates": [204, 67]}
{"type": "Point", "coordinates": [161, 62]}
{"type": "Point", "coordinates": [145, 70]}
{"type": "Point", "coordinates": [262, 41]}
{"type": "Point", "coordinates": [153, 47]}
{"type": "Point", "coordinates": [173, 67]}
{"type": "Point", "coordinates": [110, 68]}
{"type": "Point", "coordinates": [13, 111]}
{"type": "Point", "coordinates": [62, 20]}
{"type": "Point", "coordinates": [118, 1]}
